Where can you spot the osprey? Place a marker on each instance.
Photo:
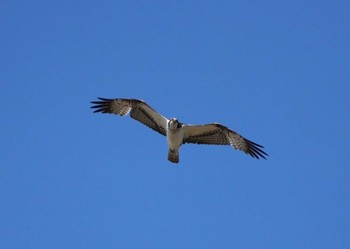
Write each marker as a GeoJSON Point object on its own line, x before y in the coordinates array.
{"type": "Point", "coordinates": [178, 133]}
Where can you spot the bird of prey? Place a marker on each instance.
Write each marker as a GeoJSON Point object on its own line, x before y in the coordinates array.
{"type": "Point", "coordinates": [178, 133]}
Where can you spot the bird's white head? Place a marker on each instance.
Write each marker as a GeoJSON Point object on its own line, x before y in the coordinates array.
{"type": "Point", "coordinates": [173, 124]}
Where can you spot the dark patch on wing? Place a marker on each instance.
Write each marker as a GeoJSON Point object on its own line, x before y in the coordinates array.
{"type": "Point", "coordinates": [212, 137]}
{"type": "Point", "coordinates": [142, 116]}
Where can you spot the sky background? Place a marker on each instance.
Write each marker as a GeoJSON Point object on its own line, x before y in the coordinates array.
{"type": "Point", "coordinates": [277, 72]}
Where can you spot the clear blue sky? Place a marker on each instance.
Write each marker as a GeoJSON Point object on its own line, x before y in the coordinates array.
{"type": "Point", "coordinates": [277, 72]}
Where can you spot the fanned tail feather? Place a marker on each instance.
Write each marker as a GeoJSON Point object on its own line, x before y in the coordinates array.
{"type": "Point", "coordinates": [173, 156]}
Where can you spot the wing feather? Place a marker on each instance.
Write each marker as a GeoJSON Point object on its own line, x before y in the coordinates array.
{"type": "Point", "coordinates": [218, 134]}
{"type": "Point", "coordinates": [138, 109]}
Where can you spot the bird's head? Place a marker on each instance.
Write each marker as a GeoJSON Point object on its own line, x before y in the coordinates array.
{"type": "Point", "coordinates": [173, 124]}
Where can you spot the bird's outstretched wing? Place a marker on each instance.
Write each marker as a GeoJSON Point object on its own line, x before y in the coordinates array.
{"type": "Point", "coordinates": [221, 135]}
{"type": "Point", "coordinates": [138, 110]}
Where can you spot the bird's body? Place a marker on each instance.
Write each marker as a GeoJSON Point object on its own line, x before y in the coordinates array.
{"type": "Point", "coordinates": [178, 133]}
{"type": "Point", "coordinates": [175, 135]}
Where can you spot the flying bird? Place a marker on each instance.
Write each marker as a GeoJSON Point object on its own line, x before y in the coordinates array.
{"type": "Point", "coordinates": [178, 133]}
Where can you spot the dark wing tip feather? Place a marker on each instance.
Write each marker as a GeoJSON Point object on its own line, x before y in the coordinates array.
{"type": "Point", "coordinates": [102, 100]}
{"type": "Point", "coordinates": [102, 106]}
{"type": "Point", "coordinates": [255, 150]}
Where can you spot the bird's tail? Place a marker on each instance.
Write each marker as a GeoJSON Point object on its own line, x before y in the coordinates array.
{"type": "Point", "coordinates": [173, 156]}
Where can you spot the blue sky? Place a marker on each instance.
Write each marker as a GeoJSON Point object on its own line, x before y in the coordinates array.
{"type": "Point", "coordinates": [277, 72]}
